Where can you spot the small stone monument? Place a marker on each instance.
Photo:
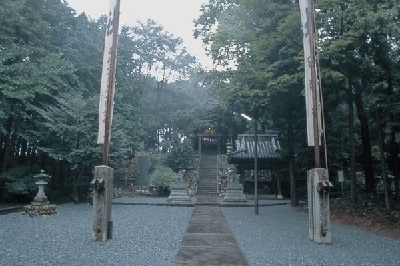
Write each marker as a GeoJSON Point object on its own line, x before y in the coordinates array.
{"type": "Point", "coordinates": [234, 190]}
{"type": "Point", "coordinates": [40, 206]}
{"type": "Point", "coordinates": [179, 190]}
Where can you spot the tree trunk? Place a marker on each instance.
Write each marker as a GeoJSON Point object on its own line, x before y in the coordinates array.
{"type": "Point", "coordinates": [366, 144]}
{"type": "Point", "coordinates": [2, 137]}
{"type": "Point", "coordinates": [382, 159]}
{"type": "Point", "coordinates": [352, 147]}
{"type": "Point", "coordinates": [7, 145]}
{"type": "Point", "coordinates": [395, 164]}
{"type": "Point", "coordinates": [294, 201]}
{"type": "Point", "coordinates": [396, 171]}
{"type": "Point", "coordinates": [394, 150]}
{"type": "Point", "coordinates": [23, 154]}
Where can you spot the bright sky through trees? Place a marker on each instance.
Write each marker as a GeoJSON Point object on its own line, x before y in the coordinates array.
{"type": "Point", "coordinates": [176, 16]}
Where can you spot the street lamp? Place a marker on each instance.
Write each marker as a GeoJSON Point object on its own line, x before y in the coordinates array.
{"type": "Point", "coordinates": [255, 162]}
{"type": "Point", "coordinates": [246, 117]}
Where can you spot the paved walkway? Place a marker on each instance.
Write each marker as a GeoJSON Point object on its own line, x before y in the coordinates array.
{"type": "Point", "coordinates": [208, 239]}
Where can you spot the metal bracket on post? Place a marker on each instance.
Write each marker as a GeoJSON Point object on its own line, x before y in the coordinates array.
{"type": "Point", "coordinates": [324, 186]}
{"type": "Point", "coordinates": [98, 184]}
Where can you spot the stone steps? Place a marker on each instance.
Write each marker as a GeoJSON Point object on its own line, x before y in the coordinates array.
{"type": "Point", "coordinates": [207, 183]}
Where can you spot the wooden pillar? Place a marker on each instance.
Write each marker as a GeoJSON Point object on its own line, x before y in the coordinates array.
{"type": "Point", "coordinates": [102, 195]}
{"type": "Point", "coordinates": [318, 206]}
{"type": "Point", "coordinates": [278, 185]}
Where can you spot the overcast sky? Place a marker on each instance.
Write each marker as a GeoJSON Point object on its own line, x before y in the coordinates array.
{"type": "Point", "coordinates": [176, 16]}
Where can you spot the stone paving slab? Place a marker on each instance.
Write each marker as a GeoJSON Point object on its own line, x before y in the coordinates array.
{"type": "Point", "coordinates": [208, 239]}
{"type": "Point", "coordinates": [212, 256]}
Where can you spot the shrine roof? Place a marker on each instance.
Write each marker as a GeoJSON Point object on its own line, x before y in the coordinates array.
{"type": "Point", "coordinates": [268, 149]}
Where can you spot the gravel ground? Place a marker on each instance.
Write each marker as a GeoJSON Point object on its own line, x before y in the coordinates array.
{"type": "Point", "coordinates": [142, 235]}
{"type": "Point", "coordinates": [279, 236]}
{"type": "Point", "coordinates": [150, 235]}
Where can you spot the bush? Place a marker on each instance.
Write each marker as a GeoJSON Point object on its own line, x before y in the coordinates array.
{"type": "Point", "coordinates": [180, 155]}
{"type": "Point", "coordinates": [161, 177]}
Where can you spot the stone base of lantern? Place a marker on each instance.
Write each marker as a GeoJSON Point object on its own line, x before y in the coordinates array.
{"type": "Point", "coordinates": [38, 209]}
{"type": "Point", "coordinates": [179, 193]}
{"type": "Point", "coordinates": [234, 193]}
{"type": "Point", "coordinates": [40, 201]}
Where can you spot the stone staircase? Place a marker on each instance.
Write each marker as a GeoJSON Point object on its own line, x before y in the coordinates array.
{"type": "Point", "coordinates": [207, 183]}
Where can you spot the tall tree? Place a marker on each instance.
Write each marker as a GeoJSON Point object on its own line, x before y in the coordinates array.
{"type": "Point", "coordinates": [259, 43]}
{"type": "Point", "coordinates": [160, 58]}
{"type": "Point", "coordinates": [353, 39]}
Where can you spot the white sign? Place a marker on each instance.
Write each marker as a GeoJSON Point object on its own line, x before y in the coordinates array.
{"type": "Point", "coordinates": [309, 48]}
{"type": "Point", "coordinates": [108, 72]}
{"type": "Point", "coordinates": [340, 176]}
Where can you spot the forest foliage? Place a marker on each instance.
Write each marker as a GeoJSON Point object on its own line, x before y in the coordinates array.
{"type": "Point", "coordinates": [50, 78]}
{"type": "Point", "coordinates": [51, 61]}
{"type": "Point", "coordinates": [260, 44]}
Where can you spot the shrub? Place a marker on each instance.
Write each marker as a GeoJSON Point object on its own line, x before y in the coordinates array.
{"type": "Point", "coordinates": [161, 178]}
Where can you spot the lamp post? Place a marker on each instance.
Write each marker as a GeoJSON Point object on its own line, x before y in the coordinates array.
{"type": "Point", "coordinates": [255, 162]}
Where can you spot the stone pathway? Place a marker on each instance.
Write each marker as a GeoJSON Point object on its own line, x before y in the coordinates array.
{"type": "Point", "coordinates": [208, 239]}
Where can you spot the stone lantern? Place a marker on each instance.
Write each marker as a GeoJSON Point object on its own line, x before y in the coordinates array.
{"type": "Point", "coordinates": [234, 190]}
{"type": "Point", "coordinates": [41, 198]}
{"type": "Point", "coordinates": [40, 206]}
{"type": "Point", "coordinates": [228, 146]}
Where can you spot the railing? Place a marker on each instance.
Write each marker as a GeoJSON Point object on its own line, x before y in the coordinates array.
{"type": "Point", "coordinates": [198, 173]}
{"type": "Point", "coordinates": [218, 192]}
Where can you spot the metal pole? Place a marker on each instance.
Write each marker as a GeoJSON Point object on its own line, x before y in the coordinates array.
{"type": "Point", "coordinates": [255, 168]}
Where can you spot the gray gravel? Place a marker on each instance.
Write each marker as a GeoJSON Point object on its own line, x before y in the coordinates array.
{"type": "Point", "coordinates": [142, 235]}
{"type": "Point", "coordinates": [279, 236]}
{"type": "Point", "coordinates": [151, 235]}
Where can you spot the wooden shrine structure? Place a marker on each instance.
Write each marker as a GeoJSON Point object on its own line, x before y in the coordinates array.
{"type": "Point", "coordinates": [269, 160]}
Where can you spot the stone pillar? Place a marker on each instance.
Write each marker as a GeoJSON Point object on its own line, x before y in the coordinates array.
{"type": "Point", "coordinates": [102, 196]}
{"type": "Point", "coordinates": [41, 198]}
{"type": "Point", "coordinates": [319, 224]}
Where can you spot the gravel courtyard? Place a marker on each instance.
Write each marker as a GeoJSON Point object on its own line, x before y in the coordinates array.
{"type": "Point", "coordinates": [150, 235]}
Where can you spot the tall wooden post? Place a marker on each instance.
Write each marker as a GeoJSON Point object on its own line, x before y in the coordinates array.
{"type": "Point", "coordinates": [102, 201]}
{"type": "Point", "coordinates": [102, 183]}
{"type": "Point", "coordinates": [318, 206]}
{"type": "Point", "coordinates": [314, 84]}
{"type": "Point", "coordinates": [106, 104]}
{"type": "Point", "coordinates": [318, 184]}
